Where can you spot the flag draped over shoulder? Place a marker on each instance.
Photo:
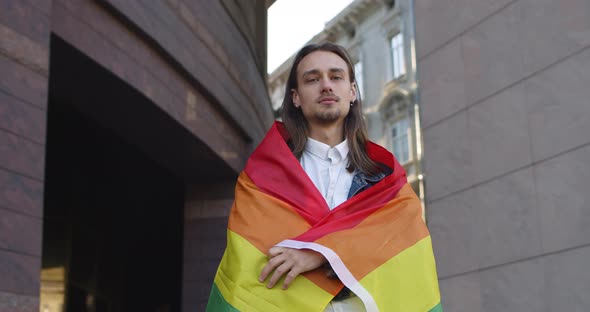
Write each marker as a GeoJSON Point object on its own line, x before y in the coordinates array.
{"type": "Point", "coordinates": [376, 242]}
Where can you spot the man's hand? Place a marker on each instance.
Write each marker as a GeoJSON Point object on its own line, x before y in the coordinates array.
{"type": "Point", "coordinates": [291, 262]}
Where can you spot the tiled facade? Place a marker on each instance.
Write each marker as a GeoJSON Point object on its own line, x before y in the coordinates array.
{"type": "Point", "coordinates": [198, 63]}
{"type": "Point", "coordinates": [505, 110]}
{"type": "Point", "coordinates": [24, 67]}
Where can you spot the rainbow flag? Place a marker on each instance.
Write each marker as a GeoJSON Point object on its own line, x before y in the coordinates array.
{"type": "Point", "coordinates": [376, 242]}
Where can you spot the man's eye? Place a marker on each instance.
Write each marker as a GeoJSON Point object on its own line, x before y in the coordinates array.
{"type": "Point", "coordinates": [337, 78]}
{"type": "Point", "coordinates": [311, 80]}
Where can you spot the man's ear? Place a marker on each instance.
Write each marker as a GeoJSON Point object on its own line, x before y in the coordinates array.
{"type": "Point", "coordinates": [353, 92]}
{"type": "Point", "coordinates": [295, 98]}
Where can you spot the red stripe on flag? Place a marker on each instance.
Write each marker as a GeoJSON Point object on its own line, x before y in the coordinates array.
{"type": "Point", "coordinates": [355, 210]}
{"type": "Point", "coordinates": [275, 171]}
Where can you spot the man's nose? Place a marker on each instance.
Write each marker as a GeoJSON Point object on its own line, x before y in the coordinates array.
{"type": "Point", "coordinates": [326, 85]}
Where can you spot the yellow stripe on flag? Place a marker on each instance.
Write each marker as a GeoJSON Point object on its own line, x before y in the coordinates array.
{"type": "Point", "coordinates": [237, 280]}
{"type": "Point", "coordinates": [401, 283]}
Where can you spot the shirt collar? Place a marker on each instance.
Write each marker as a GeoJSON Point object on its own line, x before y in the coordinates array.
{"type": "Point", "coordinates": [322, 150]}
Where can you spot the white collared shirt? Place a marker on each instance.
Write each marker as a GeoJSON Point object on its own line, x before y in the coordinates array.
{"type": "Point", "coordinates": [326, 167]}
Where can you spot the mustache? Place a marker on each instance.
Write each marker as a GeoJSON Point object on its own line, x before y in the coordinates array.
{"type": "Point", "coordinates": [330, 96]}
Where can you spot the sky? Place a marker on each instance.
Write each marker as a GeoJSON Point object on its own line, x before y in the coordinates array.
{"type": "Point", "coordinates": [291, 23]}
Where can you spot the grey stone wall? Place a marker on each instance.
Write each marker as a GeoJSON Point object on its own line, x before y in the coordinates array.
{"type": "Point", "coordinates": [505, 110]}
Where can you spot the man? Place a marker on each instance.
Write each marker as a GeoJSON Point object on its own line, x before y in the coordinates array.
{"type": "Point", "coordinates": [324, 210]}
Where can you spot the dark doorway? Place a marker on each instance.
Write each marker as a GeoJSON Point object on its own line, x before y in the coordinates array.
{"type": "Point", "coordinates": [113, 215]}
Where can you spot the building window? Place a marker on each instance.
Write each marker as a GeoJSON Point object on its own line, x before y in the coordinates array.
{"type": "Point", "coordinates": [358, 73]}
{"type": "Point", "coordinates": [400, 138]}
{"type": "Point", "coordinates": [397, 54]}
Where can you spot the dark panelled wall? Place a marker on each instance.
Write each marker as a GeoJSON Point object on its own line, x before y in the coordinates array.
{"type": "Point", "coordinates": [24, 65]}
{"type": "Point", "coordinates": [197, 62]}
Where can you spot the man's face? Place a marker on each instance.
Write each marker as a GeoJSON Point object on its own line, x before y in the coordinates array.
{"type": "Point", "coordinates": [324, 89]}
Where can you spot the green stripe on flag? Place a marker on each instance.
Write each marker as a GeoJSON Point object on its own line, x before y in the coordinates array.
{"type": "Point", "coordinates": [217, 303]}
{"type": "Point", "coordinates": [437, 308]}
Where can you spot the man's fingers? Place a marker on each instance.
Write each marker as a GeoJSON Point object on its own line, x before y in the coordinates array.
{"type": "Point", "coordinates": [278, 273]}
{"type": "Point", "coordinates": [270, 265]}
{"type": "Point", "coordinates": [290, 277]}
{"type": "Point", "coordinates": [289, 263]}
{"type": "Point", "coordinates": [275, 251]}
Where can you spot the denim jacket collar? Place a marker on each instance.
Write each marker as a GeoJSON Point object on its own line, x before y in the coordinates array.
{"type": "Point", "coordinates": [362, 181]}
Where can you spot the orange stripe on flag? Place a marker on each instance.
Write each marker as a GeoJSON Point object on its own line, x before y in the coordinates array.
{"type": "Point", "coordinates": [386, 232]}
{"type": "Point", "coordinates": [252, 219]}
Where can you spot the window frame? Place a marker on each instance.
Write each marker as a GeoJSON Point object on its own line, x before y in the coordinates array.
{"type": "Point", "coordinates": [406, 135]}
{"type": "Point", "coordinates": [397, 55]}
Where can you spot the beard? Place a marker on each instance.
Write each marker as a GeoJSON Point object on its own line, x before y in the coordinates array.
{"type": "Point", "coordinates": [328, 116]}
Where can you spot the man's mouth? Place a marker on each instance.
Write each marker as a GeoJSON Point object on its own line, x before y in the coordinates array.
{"type": "Point", "coordinates": [328, 100]}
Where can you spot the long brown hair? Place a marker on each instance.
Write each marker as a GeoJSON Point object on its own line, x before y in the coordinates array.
{"type": "Point", "coordinates": [355, 128]}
